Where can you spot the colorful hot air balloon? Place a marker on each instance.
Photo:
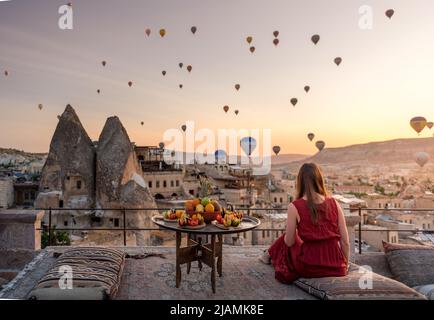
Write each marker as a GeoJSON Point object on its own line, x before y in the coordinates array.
{"type": "Point", "coordinates": [276, 42]}
{"type": "Point", "coordinates": [252, 49]}
{"type": "Point", "coordinates": [390, 13]}
{"type": "Point", "coordinates": [181, 86]}
{"type": "Point", "coordinates": [103, 63]}
{"type": "Point", "coordinates": [162, 32]}
{"type": "Point", "coordinates": [276, 150]}
{"type": "Point", "coordinates": [418, 124]}
{"type": "Point", "coordinates": [338, 61]}
{"type": "Point", "coordinates": [421, 158]}
{"type": "Point", "coordinates": [189, 68]}
{"type": "Point", "coordinates": [40, 106]}
{"type": "Point", "coordinates": [226, 109]}
{"type": "Point", "coordinates": [220, 155]}
{"type": "Point", "coordinates": [237, 87]}
{"type": "Point", "coordinates": [180, 65]}
{"type": "Point", "coordinates": [163, 72]}
{"type": "Point", "coordinates": [311, 136]}
{"type": "Point", "coordinates": [193, 29]}
{"type": "Point", "coordinates": [320, 145]}
{"type": "Point", "coordinates": [248, 144]}
{"type": "Point", "coordinates": [294, 101]}
{"type": "Point", "coordinates": [315, 38]}
{"type": "Point", "coordinates": [130, 83]}
{"type": "Point", "coordinates": [236, 112]}
{"type": "Point", "coordinates": [6, 73]}
{"type": "Point", "coordinates": [276, 34]}
{"type": "Point", "coordinates": [184, 127]}
{"type": "Point", "coordinates": [148, 32]}
{"type": "Point", "coordinates": [161, 145]}
{"type": "Point", "coordinates": [98, 91]}
{"type": "Point", "coordinates": [307, 89]}
{"type": "Point", "coordinates": [249, 39]}
{"type": "Point", "coordinates": [430, 125]}
{"type": "Point", "coordinates": [142, 123]}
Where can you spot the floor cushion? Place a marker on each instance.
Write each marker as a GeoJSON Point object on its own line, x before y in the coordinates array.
{"type": "Point", "coordinates": [412, 265]}
{"type": "Point", "coordinates": [348, 287]}
{"type": "Point", "coordinates": [96, 275]}
{"type": "Point", "coordinates": [427, 291]}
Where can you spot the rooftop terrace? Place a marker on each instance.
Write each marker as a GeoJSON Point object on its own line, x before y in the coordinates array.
{"type": "Point", "coordinates": [153, 277]}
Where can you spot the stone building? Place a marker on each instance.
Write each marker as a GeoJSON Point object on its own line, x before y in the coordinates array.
{"type": "Point", "coordinates": [81, 174]}
{"type": "Point", "coordinates": [6, 192]}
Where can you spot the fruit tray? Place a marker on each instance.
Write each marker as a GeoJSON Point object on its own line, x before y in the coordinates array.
{"type": "Point", "coordinates": [222, 226]}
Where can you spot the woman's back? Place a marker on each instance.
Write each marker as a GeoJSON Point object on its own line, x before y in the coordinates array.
{"type": "Point", "coordinates": [327, 226]}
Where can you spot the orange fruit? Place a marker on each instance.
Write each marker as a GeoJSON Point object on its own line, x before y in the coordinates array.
{"type": "Point", "coordinates": [188, 203]}
{"type": "Point", "coordinates": [196, 202]}
{"type": "Point", "coordinates": [209, 208]}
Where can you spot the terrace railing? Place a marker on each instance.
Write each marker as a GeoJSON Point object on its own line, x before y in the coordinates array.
{"type": "Point", "coordinates": [124, 229]}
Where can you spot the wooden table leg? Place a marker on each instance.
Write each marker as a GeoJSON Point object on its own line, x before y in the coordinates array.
{"type": "Point", "coordinates": [199, 260]}
{"type": "Point", "coordinates": [219, 258]}
{"type": "Point", "coordinates": [178, 265]}
{"type": "Point", "coordinates": [213, 250]}
{"type": "Point", "coordinates": [188, 244]}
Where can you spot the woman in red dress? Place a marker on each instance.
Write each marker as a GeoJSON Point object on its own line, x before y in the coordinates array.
{"type": "Point", "coordinates": [315, 243]}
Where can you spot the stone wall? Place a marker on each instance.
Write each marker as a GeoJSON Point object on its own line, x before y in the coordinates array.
{"type": "Point", "coordinates": [6, 192]}
{"type": "Point", "coordinates": [19, 239]}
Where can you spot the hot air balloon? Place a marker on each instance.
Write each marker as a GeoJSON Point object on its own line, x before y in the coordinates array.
{"type": "Point", "coordinates": [130, 83]}
{"type": "Point", "coordinates": [220, 155]}
{"type": "Point", "coordinates": [180, 64]}
{"type": "Point", "coordinates": [430, 125]}
{"type": "Point", "coordinates": [390, 13]}
{"type": "Point", "coordinates": [40, 106]}
{"type": "Point", "coordinates": [181, 86]}
{"type": "Point", "coordinates": [248, 144]}
{"type": "Point", "coordinates": [189, 68]}
{"type": "Point", "coordinates": [226, 108]}
{"type": "Point", "coordinates": [162, 32]}
{"type": "Point", "coordinates": [163, 72]}
{"type": "Point", "coordinates": [276, 150]}
{"type": "Point", "coordinates": [236, 112]}
{"type": "Point", "coordinates": [98, 91]}
{"type": "Point", "coordinates": [249, 39]}
{"type": "Point", "coordinates": [103, 63]}
{"type": "Point", "coordinates": [142, 123]}
{"type": "Point", "coordinates": [6, 73]}
{"type": "Point", "coordinates": [421, 158]}
{"type": "Point", "coordinates": [276, 34]}
{"type": "Point", "coordinates": [311, 136]}
{"type": "Point", "coordinates": [294, 101]}
{"type": "Point", "coordinates": [193, 30]}
{"type": "Point", "coordinates": [276, 42]}
{"type": "Point", "coordinates": [252, 49]}
{"type": "Point", "coordinates": [338, 61]}
{"type": "Point", "coordinates": [418, 124]}
{"type": "Point", "coordinates": [320, 145]}
{"type": "Point", "coordinates": [237, 87]}
{"type": "Point", "coordinates": [161, 145]}
{"type": "Point", "coordinates": [306, 88]}
{"type": "Point", "coordinates": [184, 127]}
{"type": "Point", "coordinates": [148, 32]}
{"type": "Point", "coordinates": [315, 38]}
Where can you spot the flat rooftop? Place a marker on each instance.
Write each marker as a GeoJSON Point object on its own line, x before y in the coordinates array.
{"type": "Point", "coordinates": [244, 277]}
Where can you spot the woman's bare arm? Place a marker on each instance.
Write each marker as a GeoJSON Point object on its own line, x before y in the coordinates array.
{"type": "Point", "coordinates": [345, 242]}
{"type": "Point", "coordinates": [291, 225]}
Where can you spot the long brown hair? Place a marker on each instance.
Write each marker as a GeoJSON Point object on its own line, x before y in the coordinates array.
{"type": "Point", "coordinates": [310, 180]}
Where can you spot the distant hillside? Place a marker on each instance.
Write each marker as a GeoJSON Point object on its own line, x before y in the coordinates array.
{"type": "Point", "coordinates": [21, 160]}
{"type": "Point", "coordinates": [287, 158]}
{"type": "Point", "coordinates": [385, 152]}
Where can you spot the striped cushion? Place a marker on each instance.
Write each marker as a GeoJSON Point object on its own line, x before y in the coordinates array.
{"type": "Point", "coordinates": [349, 288]}
{"type": "Point", "coordinates": [93, 268]}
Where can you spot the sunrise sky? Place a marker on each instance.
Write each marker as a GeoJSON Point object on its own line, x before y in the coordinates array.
{"type": "Point", "coordinates": [385, 79]}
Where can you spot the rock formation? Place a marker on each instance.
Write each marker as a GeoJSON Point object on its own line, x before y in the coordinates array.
{"type": "Point", "coordinates": [69, 171]}
{"type": "Point", "coordinates": [77, 174]}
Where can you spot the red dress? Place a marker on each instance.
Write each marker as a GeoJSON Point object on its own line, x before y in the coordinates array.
{"type": "Point", "coordinates": [316, 252]}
